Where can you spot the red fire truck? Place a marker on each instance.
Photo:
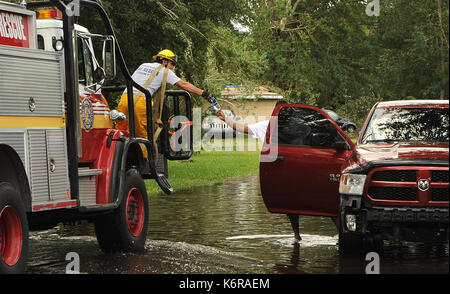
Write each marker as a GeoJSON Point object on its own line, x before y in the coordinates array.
{"type": "Point", "coordinates": [61, 158]}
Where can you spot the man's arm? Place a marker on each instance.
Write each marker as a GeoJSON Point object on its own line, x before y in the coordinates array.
{"type": "Point", "coordinates": [238, 126]}
{"type": "Point", "coordinates": [189, 87]}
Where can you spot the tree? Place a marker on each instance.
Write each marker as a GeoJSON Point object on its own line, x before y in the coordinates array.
{"type": "Point", "coordinates": [144, 27]}
{"type": "Point", "coordinates": [331, 54]}
{"type": "Point", "coordinates": [414, 43]}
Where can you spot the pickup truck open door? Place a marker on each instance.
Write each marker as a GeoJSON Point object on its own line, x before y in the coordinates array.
{"type": "Point", "coordinates": [301, 161]}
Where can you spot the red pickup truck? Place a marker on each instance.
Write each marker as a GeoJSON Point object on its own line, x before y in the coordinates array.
{"type": "Point", "coordinates": [392, 185]}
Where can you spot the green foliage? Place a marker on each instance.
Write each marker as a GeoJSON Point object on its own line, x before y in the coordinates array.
{"type": "Point", "coordinates": [144, 27]}
{"type": "Point", "coordinates": [327, 53]}
{"type": "Point", "coordinates": [356, 110]}
{"type": "Point", "coordinates": [414, 56]}
{"type": "Point", "coordinates": [331, 54]}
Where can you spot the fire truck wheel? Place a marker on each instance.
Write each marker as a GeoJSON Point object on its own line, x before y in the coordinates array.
{"type": "Point", "coordinates": [126, 229]}
{"type": "Point", "coordinates": [107, 234]}
{"type": "Point", "coordinates": [13, 231]}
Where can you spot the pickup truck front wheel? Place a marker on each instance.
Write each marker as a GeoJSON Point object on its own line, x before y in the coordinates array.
{"type": "Point", "coordinates": [349, 242]}
{"type": "Point", "coordinates": [13, 231]}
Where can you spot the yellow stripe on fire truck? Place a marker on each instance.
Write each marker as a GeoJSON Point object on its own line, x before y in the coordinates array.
{"type": "Point", "coordinates": [31, 122]}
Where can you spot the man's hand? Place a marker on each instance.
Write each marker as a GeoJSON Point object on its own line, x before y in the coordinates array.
{"type": "Point", "coordinates": [238, 126]}
{"type": "Point", "coordinates": [221, 115]}
{"type": "Point", "coordinates": [210, 97]}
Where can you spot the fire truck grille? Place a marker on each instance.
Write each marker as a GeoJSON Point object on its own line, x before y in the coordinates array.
{"type": "Point", "coordinates": [393, 193]}
{"type": "Point", "coordinates": [439, 176]}
{"type": "Point", "coordinates": [395, 176]}
{"type": "Point", "coordinates": [438, 194]}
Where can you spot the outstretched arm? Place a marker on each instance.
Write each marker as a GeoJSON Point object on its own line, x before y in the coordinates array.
{"type": "Point", "coordinates": [189, 87]}
{"type": "Point", "coordinates": [238, 126]}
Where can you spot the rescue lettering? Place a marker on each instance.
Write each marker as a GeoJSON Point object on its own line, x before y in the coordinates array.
{"type": "Point", "coordinates": [11, 26]}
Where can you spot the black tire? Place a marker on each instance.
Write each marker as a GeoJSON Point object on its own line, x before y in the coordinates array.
{"type": "Point", "coordinates": [126, 228]}
{"type": "Point", "coordinates": [349, 243]}
{"type": "Point", "coordinates": [13, 231]}
{"type": "Point", "coordinates": [107, 235]}
{"type": "Point", "coordinates": [372, 245]}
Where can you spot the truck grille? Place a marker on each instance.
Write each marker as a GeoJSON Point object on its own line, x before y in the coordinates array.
{"type": "Point", "coordinates": [386, 185]}
{"type": "Point", "coordinates": [439, 194]}
{"type": "Point", "coordinates": [393, 193]}
{"type": "Point", "coordinates": [439, 176]}
{"type": "Point", "coordinates": [395, 176]}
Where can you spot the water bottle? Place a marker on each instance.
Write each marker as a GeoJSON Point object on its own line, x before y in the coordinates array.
{"type": "Point", "coordinates": [211, 99]}
{"type": "Point", "coordinates": [215, 105]}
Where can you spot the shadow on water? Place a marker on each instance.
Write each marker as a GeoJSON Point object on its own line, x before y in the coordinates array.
{"type": "Point", "coordinates": [226, 228]}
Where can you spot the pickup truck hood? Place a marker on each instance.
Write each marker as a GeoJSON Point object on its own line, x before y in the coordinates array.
{"type": "Point", "coordinates": [401, 150]}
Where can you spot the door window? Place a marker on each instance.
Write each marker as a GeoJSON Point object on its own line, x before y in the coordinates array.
{"type": "Point", "coordinates": [85, 64]}
{"type": "Point", "coordinates": [40, 42]}
{"type": "Point", "coordinates": [306, 127]}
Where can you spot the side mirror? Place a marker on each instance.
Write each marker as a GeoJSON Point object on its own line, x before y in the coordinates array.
{"type": "Point", "coordinates": [99, 76]}
{"type": "Point", "coordinates": [177, 135]}
{"type": "Point", "coordinates": [109, 57]}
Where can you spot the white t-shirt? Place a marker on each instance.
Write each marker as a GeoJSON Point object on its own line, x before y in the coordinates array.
{"type": "Point", "coordinates": [258, 130]}
{"type": "Point", "coordinates": [145, 70]}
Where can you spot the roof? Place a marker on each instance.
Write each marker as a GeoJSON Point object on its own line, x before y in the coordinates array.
{"type": "Point", "coordinates": [241, 92]}
{"type": "Point", "coordinates": [57, 24]}
{"type": "Point", "coordinates": [412, 103]}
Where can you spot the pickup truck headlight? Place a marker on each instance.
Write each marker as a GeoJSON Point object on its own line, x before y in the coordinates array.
{"type": "Point", "coordinates": [352, 184]}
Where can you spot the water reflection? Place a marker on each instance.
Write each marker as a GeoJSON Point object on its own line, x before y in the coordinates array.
{"type": "Point", "coordinates": [232, 217]}
{"type": "Point", "coordinates": [226, 228]}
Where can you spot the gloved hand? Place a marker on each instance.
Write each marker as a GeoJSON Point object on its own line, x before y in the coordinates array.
{"type": "Point", "coordinates": [209, 96]}
{"type": "Point", "coordinates": [211, 99]}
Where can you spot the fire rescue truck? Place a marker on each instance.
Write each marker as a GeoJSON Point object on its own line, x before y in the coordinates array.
{"type": "Point", "coordinates": [62, 160]}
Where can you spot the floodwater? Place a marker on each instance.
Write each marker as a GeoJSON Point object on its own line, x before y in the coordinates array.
{"type": "Point", "coordinates": [225, 228]}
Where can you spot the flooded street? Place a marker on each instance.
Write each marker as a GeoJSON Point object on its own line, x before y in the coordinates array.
{"type": "Point", "coordinates": [225, 228]}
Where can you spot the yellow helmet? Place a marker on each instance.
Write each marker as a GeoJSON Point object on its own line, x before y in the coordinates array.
{"type": "Point", "coordinates": [166, 54]}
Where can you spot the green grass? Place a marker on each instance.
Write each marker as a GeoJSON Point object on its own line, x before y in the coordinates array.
{"type": "Point", "coordinates": [207, 168]}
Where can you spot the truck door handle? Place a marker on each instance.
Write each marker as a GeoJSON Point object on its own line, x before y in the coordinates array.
{"type": "Point", "coordinates": [279, 159]}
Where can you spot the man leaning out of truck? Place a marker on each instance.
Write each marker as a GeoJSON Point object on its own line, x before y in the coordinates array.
{"type": "Point", "coordinates": [151, 77]}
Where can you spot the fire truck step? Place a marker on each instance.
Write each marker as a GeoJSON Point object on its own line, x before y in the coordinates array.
{"type": "Point", "coordinates": [87, 172]}
{"type": "Point", "coordinates": [164, 184]}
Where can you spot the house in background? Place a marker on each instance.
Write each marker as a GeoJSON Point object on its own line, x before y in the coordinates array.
{"type": "Point", "coordinates": [244, 102]}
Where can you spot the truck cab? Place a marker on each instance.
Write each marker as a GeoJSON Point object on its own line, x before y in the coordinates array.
{"type": "Point", "coordinates": [391, 185]}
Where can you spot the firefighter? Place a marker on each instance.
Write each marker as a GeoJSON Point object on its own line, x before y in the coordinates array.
{"type": "Point", "coordinates": [154, 76]}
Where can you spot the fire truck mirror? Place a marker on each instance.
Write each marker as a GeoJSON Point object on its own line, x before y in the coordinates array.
{"type": "Point", "coordinates": [109, 57]}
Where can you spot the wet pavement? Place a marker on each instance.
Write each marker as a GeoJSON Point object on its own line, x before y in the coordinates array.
{"type": "Point", "coordinates": [225, 229]}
